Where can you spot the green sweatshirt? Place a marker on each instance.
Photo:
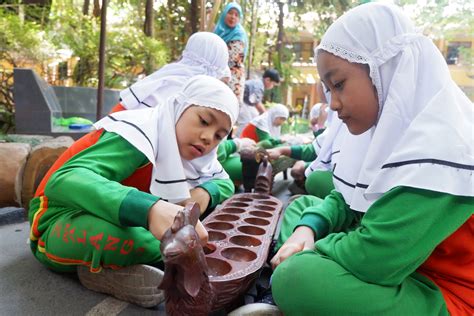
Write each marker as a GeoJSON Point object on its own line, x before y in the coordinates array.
{"type": "Point", "coordinates": [90, 181]}
{"type": "Point", "coordinates": [304, 152]}
{"type": "Point", "coordinates": [266, 139]}
{"type": "Point", "coordinates": [405, 224]}
{"type": "Point", "coordinates": [225, 149]}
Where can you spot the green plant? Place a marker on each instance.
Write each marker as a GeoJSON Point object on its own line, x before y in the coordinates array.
{"type": "Point", "coordinates": [20, 42]}
{"type": "Point", "coordinates": [129, 52]}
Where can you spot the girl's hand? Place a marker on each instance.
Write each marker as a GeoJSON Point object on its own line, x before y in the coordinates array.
{"type": "Point", "coordinates": [161, 216]}
{"type": "Point", "coordinates": [200, 196]}
{"type": "Point", "coordinates": [242, 143]}
{"type": "Point", "coordinates": [301, 239]}
{"type": "Point", "coordinates": [274, 153]}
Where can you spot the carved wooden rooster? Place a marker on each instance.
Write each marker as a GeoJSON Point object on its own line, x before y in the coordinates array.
{"type": "Point", "coordinates": [186, 280]}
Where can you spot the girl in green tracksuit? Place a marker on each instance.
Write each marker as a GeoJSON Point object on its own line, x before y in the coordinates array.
{"type": "Point", "coordinates": [104, 205]}
{"type": "Point", "coordinates": [316, 182]}
{"type": "Point", "coordinates": [227, 155]}
{"type": "Point", "coordinates": [265, 128]}
{"type": "Point", "coordinates": [395, 236]}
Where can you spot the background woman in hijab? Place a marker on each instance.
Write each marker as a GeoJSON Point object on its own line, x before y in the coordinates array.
{"type": "Point", "coordinates": [106, 202]}
{"type": "Point", "coordinates": [205, 54]}
{"type": "Point", "coordinates": [232, 32]}
{"type": "Point", "coordinates": [266, 127]}
{"type": "Point", "coordinates": [395, 236]}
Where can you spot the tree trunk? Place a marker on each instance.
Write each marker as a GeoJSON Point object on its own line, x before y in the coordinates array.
{"type": "Point", "coordinates": [279, 44]}
{"type": "Point", "coordinates": [193, 17]}
{"type": "Point", "coordinates": [171, 6]}
{"type": "Point", "coordinates": [149, 17]}
{"type": "Point", "coordinates": [212, 15]}
{"type": "Point", "coordinates": [85, 7]}
{"type": "Point", "coordinates": [203, 15]}
{"type": "Point", "coordinates": [253, 32]}
{"type": "Point", "coordinates": [96, 11]}
{"type": "Point", "coordinates": [103, 37]}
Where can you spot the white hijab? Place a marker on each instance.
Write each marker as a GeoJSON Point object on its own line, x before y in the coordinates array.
{"type": "Point", "coordinates": [328, 145]}
{"type": "Point", "coordinates": [265, 120]}
{"type": "Point", "coordinates": [205, 54]}
{"type": "Point", "coordinates": [424, 134]}
{"type": "Point", "coordinates": [315, 111]}
{"type": "Point", "coordinates": [152, 131]}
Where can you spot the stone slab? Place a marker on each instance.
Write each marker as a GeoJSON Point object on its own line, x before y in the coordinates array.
{"type": "Point", "coordinates": [13, 158]}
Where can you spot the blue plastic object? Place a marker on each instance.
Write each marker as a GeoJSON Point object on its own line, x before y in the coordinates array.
{"type": "Point", "coordinates": [79, 126]}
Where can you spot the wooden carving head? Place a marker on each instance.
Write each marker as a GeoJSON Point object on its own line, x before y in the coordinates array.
{"type": "Point", "coordinates": [185, 263]}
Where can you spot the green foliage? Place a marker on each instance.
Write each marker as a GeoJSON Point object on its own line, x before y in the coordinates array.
{"type": "Point", "coordinates": [31, 35]}
{"type": "Point", "coordinates": [467, 56]}
{"type": "Point", "coordinates": [172, 26]}
{"type": "Point", "coordinates": [129, 54]}
{"type": "Point", "coordinates": [442, 18]}
{"type": "Point", "coordinates": [128, 51]}
{"type": "Point", "coordinates": [70, 29]}
{"type": "Point", "coordinates": [327, 11]}
{"type": "Point", "coordinates": [295, 125]}
{"type": "Point", "coordinates": [19, 41]}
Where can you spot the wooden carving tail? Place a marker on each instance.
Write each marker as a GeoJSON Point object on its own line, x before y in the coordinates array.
{"type": "Point", "coordinates": [264, 179]}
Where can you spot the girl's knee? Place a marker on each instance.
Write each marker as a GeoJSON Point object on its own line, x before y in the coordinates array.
{"type": "Point", "coordinates": [307, 282]}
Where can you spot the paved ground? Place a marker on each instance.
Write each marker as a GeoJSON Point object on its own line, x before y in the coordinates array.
{"type": "Point", "coordinates": [28, 288]}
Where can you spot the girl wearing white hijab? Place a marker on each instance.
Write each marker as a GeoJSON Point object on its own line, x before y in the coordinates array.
{"type": "Point", "coordinates": [406, 164]}
{"type": "Point", "coordinates": [317, 118]}
{"type": "Point", "coordinates": [110, 197]}
{"type": "Point", "coordinates": [267, 126]}
{"type": "Point", "coordinates": [205, 54]}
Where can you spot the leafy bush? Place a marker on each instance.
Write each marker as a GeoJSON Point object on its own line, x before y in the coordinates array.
{"type": "Point", "coordinates": [21, 44]}
{"type": "Point", "coordinates": [129, 52]}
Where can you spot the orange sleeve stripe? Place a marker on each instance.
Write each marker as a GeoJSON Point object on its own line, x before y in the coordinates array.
{"type": "Point", "coordinates": [68, 261]}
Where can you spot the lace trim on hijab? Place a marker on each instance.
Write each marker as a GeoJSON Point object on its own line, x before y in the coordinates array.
{"type": "Point", "coordinates": [195, 60]}
{"type": "Point", "coordinates": [380, 56]}
{"type": "Point", "coordinates": [353, 57]}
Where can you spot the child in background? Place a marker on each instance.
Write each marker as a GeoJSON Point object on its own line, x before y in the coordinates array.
{"type": "Point", "coordinates": [317, 118]}
{"type": "Point", "coordinates": [317, 183]}
{"type": "Point", "coordinates": [265, 128]}
{"type": "Point", "coordinates": [205, 54]}
{"type": "Point", "coordinates": [104, 205]}
{"type": "Point", "coordinates": [307, 178]}
{"type": "Point", "coordinates": [254, 92]}
{"type": "Point", "coordinates": [411, 252]}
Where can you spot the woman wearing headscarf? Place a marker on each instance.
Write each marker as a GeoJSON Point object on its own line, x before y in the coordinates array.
{"type": "Point", "coordinates": [267, 126]}
{"type": "Point", "coordinates": [104, 205]}
{"type": "Point", "coordinates": [205, 54]}
{"type": "Point", "coordinates": [395, 236]}
{"type": "Point", "coordinates": [230, 29]}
